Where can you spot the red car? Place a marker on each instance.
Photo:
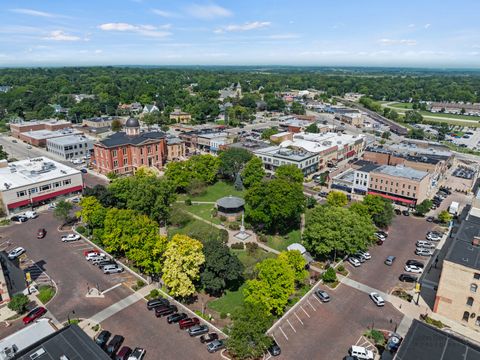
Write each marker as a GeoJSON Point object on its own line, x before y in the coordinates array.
{"type": "Point", "coordinates": [86, 252]}
{"type": "Point", "coordinates": [188, 323]}
{"type": "Point", "coordinates": [34, 314]}
{"type": "Point", "coordinates": [41, 233]}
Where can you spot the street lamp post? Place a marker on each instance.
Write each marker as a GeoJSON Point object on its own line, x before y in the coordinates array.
{"type": "Point", "coordinates": [68, 315]}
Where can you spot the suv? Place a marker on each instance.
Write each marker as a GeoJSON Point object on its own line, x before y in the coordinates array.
{"type": "Point", "coordinates": [112, 269]}
{"type": "Point", "coordinates": [354, 261]}
{"type": "Point", "coordinates": [322, 295]}
{"type": "Point", "coordinates": [205, 339]}
{"type": "Point", "coordinates": [137, 354]}
{"type": "Point", "coordinates": [425, 244]}
{"type": "Point", "coordinates": [102, 338]}
{"type": "Point", "coordinates": [114, 345]}
{"type": "Point", "coordinates": [188, 322]}
{"type": "Point", "coordinates": [407, 278]}
{"type": "Point", "coordinates": [152, 304]}
{"type": "Point", "coordinates": [365, 254]}
{"type": "Point", "coordinates": [389, 260]}
{"type": "Point", "coordinates": [361, 353]}
{"type": "Point", "coordinates": [124, 353]}
{"type": "Point", "coordinates": [165, 310]}
{"type": "Point", "coordinates": [197, 330]}
{"type": "Point", "coordinates": [175, 318]}
{"type": "Point", "coordinates": [416, 263]}
{"type": "Point", "coordinates": [41, 233]}
{"type": "Point", "coordinates": [215, 345]}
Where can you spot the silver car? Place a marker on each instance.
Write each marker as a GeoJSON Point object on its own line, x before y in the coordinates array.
{"type": "Point", "coordinates": [423, 252]}
{"type": "Point", "coordinates": [215, 345]}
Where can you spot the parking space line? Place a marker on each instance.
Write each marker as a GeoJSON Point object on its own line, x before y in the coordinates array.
{"type": "Point", "coordinates": [289, 323]}
{"type": "Point", "coordinates": [283, 332]}
{"type": "Point", "coordinates": [317, 299]}
{"type": "Point", "coordinates": [110, 289]}
{"type": "Point", "coordinates": [304, 311]}
{"type": "Point", "coordinates": [311, 305]}
{"type": "Point", "coordinates": [298, 318]}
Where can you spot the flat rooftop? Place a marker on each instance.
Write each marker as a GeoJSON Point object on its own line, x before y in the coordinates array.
{"type": "Point", "coordinates": [47, 134]}
{"type": "Point", "coordinates": [425, 342]}
{"type": "Point", "coordinates": [401, 171]}
{"type": "Point", "coordinates": [70, 139]}
{"type": "Point", "coordinates": [318, 143]}
{"type": "Point", "coordinates": [38, 122]}
{"type": "Point", "coordinates": [462, 251]}
{"type": "Point", "coordinates": [31, 171]}
{"type": "Point", "coordinates": [285, 153]}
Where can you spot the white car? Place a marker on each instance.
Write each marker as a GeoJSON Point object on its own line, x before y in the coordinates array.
{"type": "Point", "coordinates": [425, 244]}
{"type": "Point", "coordinates": [366, 255]}
{"type": "Point", "coordinates": [354, 261]}
{"type": "Point", "coordinates": [70, 237]}
{"type": "Point", "coordinates": [377, 299]}
{"type": "Point", "coordinates": [413, 269]}
{"type": "Point", "coordinates": [433, 236]}
{"type": "Point", "coordinates": [15, 253]}
{"type": "Point", "coordinates": [361, 353]}
{"type": "Point", "coordinates": [94, 255]}
{"type": "Point", "coordinates": [31, 214]}
{"type": "Point", "coordinates": [423, 252]}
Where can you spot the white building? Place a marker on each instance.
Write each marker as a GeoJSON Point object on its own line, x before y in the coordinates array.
{"type": "Point", "coordinates": [70, 147]}
{"type": "Point", "coordinates": [33, 182]}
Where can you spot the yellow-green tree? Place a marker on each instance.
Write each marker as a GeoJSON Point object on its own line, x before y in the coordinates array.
{"type": "Point", "coordinates": [92, 212]}
{"type": "Point", "coordinates": [297, 262]}
{"type": "Point", "coordinates": [337, 198]}
{"type": "Point", "coordinates": [183, 258]}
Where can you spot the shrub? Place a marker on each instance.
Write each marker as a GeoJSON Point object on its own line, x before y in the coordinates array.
{"type": "Point", "coordinates": [223, 236]}
{"type": "Point", "coordinates": [188, 202]}
{"type": "Point", "coordinates": [223, 315]}
{"type": "Point", "coordinates": [263, 238]}
{"type": "Point", "coordinates": [154, 293]}
{"type": "Point", "coordinates": [434, 322]}
{"type": "Point", "coordinates": [330, 275]}
{"type": "Point", "coordinates": [81, 229]}
{"type": "Point", "coordinates": [4, 222]}
{"type": "Point", "coordinates": [179, 218]}
{"type": "Point", "coordinates": [138, 285]}
{"type": "Point", "coordinates": [96, 327]}
{"type": "Point", "coordinates": [341, 268]}
{"type": "Point", "coordinates": [251, 247]}
{"type": "Point", "coordinates": [223, 218]}
{"type": "Point", "coordinates": [234, 226]}
{"type": "Point", "coordinates": [238, 246]}
{"type": "Point", "coordinates": [376, 336]}
{"type": "Point", "coordinates": [196, 187]}
{"type": "Point", "coordinates": [19, 303]}
{"type": "Point", "coordinates": [214, 212]}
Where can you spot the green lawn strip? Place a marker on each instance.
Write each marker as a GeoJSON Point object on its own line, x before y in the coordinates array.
{"type": "Point", "coordinates": [193, 227]}
{"type": "Point", "coordinates": [214, 192]}
{"type": "Point", "coordinates": [281, 243]}
{"type": "Point", "coordinates": [250, 260]}
{"type": "Point", "coordinates": [401, 105]}
{"type": "Point", "coordinates": [229, 302]}
{"type": "Point", "coordinates": [204, 211]}
{"type": "Point", "coordinates": [45, 293]}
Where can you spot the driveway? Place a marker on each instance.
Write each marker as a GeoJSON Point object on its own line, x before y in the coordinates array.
{"type": "Point", "coordinates": [141, 328]}
{"type": "Point", "coordinates": [326, 331]}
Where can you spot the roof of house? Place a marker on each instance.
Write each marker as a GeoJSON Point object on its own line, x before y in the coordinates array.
{"type": "Point", "coordinates": [425, 342]}
{"type": "Point", "coordinates": [69, 342]}
{"type": "Point", "coordinates": [462, 251]}
{"type": "Point", "coordinates": [121, 138]}
{"type": "Point", "coordinates": [401, 171]}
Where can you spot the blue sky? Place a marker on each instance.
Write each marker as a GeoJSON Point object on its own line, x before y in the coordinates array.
{"type": "Point", "coordinates": [441, 33]}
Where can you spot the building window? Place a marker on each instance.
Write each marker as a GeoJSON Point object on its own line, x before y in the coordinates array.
{"type": "Point", "coordinates": [404, 186]}
{"type": "Point", "coordinates": [414, 188]}
{"type": "Point", "coordinates": [409, 186]}
{"type": "Point", "coordinates": [124, 151]}
{"type": "Point", "coordinates": [470, 301]}
{"type": "Point", "coordinates": [473, 288]}
{"type": "Point", "coordinates": [57, 184]}
{"type": "Point", "coordinates": [114, 153]}
{"type": "Point", "coordinates": [115, 163]}
{"type": "Point", "coordinates": [466, 315]}
{"type": "Point", "coordinates": [21, 193]}
{"type": "Point", "coordinates": [124, 162]}
{"type": "Point", "coordinates": [67, 182]}
{"type": "Point", "coordinates": [478, 321]}
{"type": "Point", "coordinates": [32, 190]}
{"type": "Point", "coordinates": [45, 187]}
{"type": "Point", "coordinates": [396, 185]}
{"type": "Point", "coordinates": [141, 151]}
{"type": "Point", "coordinates": [149, 149]}
{"type": "Point", "coordinates": [476, 276]}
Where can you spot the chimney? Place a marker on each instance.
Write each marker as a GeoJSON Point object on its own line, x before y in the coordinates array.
{"type": "Point", "coordinates": [476, 241]}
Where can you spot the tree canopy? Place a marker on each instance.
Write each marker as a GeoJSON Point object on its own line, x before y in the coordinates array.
{"type": "Point", "coordinates": [337, 198]}
{"type": "Point", "coordinates": [380, 209]}
{"type": "Point", "coordinates": [232, 161]}
{"type": "Point", "coordinates": [253, 173]}
{"type": "Point", "coordinates": [201, 167]}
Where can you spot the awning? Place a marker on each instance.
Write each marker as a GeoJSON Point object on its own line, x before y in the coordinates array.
{"type": "Point", "coordinates": [394, 198]}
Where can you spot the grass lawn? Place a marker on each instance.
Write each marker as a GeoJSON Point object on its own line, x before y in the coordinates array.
{"type": "Point", "coordinates": [214, 192]}
{"type": "Point", "coordinates": [250, 260]}
{"type": "Point", "coordinates": [229, 302]}
{"type": "Point", "coordinates": [193, 227]}
{"type": "Point", "coordinates": [202, 210]}
{"type": "Point", "coordinates": [45, 293]}
{"type": "Point", "coordinates": [401, 105]}
{"type": "Point", "coordinates": [280, 243]}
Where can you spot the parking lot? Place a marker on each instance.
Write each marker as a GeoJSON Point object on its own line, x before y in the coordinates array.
{"type": "Point", "coordinates": [318, 330]}
{"type": "Point", "coordinates": [50, 260]}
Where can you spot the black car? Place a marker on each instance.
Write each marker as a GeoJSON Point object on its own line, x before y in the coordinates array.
{"type": "Point", "coordinates": [407, 278]}
{"type": "Point", "coordinates": [398, 211]}
{"type": "Point", "coordinates": [165, 310]}
{"type": "Point", "coordinates": [175, 318]}
{"type": "Point", "coordinates": [406, 213]}
{"type": "Point", "coordinates": [152, 304]}
{"type": "Point", "coordinates": [114, 345]}
{"type": "Point", "coordinates": [208, 338]}
{"type": "Point", "coordinates": [415, 263]}
{"type": "Point", "coordinates": [102, 338]}
{"type": "Point", "coordinates": [19, 218]}
{"type": "Point", "coordinates": [274, 349]}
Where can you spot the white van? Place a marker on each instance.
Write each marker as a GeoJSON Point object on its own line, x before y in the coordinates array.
{"type": "Point", "coordinates": [361, 353]}
{"type": "Point", "coordinates": [31, 214]}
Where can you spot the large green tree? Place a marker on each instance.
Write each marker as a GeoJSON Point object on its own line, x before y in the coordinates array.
{"type": "Point", "coordinates": [289, 173]}
{"type": "Point", "coordinates": [253, 173]}
{"type": "Point", "coordinates": [297, 262]}
{"type": "Point", "coordinates": [62, 211]}
{"type": "Point", "coordinates": [335, 229]}
{"type": "Point", "coordinates": [337, 198]}
{"type": "Point", "coordinates": [380, 209]}
{"type": "Point", "coordinates": [232, 161]}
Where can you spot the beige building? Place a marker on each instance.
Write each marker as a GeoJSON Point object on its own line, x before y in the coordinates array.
{"type": "Point", "coordinates": [399, 183]}
{"type": "Point", "coordinates": [354, 119]}
{"type": "Point", "coordinates": [175, 149]}
{"type": "Point", "coordinates": [180, 117]}
{"type": "Point", "coordinates": [458, 294]}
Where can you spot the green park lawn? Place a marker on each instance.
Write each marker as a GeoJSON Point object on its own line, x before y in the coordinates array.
{"type": "Point", "coordinates": [194, 226]}
{"type": "Point", "coordinates": [202, 210]}
{"type": "Point", "coordinates": [401, 105]}
{"type": "Point", "coordinates": [249, 261]}
{"type": "Point", "coordinates": [214, 192]}
{"type": "Point", "coordinates": [229, 302]}
{"type": "Point", "coordinates": [280, 243]}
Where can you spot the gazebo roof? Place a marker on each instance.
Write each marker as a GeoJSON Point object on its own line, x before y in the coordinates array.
{"type": "Point", "coordinates": [230, 202]}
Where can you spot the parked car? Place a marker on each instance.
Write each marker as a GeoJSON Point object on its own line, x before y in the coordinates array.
{"type": "Point", "coordinates": [124, 353]}
{"type": "Point", "coordinates": [114, 345]}
{"type": "Point", "coordinates": [41, 233]}
{"type": "Point", "coordinates": [208, 338]}
{"type": "Point", "coordinates": [86, 252]}
{"type": "Point", "coordinates": [365, 254]}
{"type": "Point", "coordinates": [322, 295]}
{"type": "Point", "coordinates": [102, 338]}
{"type": "Point", "coordinates": [153, 303]}
{"type": "Point", "coordinates": [416, 263]}
{"type": "Point", "coordinates": [361, 353]}
{"type": "Point", "coordinates": [360, 257]}
{"type": "Point", "coordinates": [323, 194]}
{"type": "Point", "coordinates": [94, 254]}
{"type": "Point", "coordinates": [175, 318]}
{"type": "Point", "coordinates": [31, 214]}
{"type": "Point", "coordinates": [413, 269]}
{"type": "Point", "coordinates": [430, 219]}
{"type": "Point", "coordinates": [112, 269]}
{"type": "Point", "coordinates": [15, 253]}
{"type": "Point", "coordinates": [165, 310]}
{"type": "Point", "coordinates": [274, 349]}
{"type": "Point", "coordinates": [76, 200]}
{"type": "Point", "coordinates": [84, 170]}
{"type": "Point", "coordinates": [34, 315]}
{"type": "Point", "coordinates": [19, 219]}
{"type": "Point", "coordinates": [389, 260]}
{"type": "Point", "coordinates": [188, 322]}
{"type": "Point", "coordinates": [398, 211]}
{"type": "Point", "coordinates": [197, 330]}
{"type": "Point", "coordinates": [354, 261]}
{"type": "Point", "coordinates": [377, 299]}
{"type": "Point", "coordinates": [137, 354]}
{"type": "Point", "coordinates": [406, 213]}
{"type": "Point", "coordinates": [434, 236]}
{"type": "Point", "coordinates": [70, 237]}
{"type": "Point", "coordinates": [423, 252]}
{"type": "Point", "coordinates": [425, 244]}
{"type": "Point", "coordinates": [101, 262]}
{"type": "Point", "coordinates": [407, 278]}
{"type": "Point", "coordinates": [215, 345]}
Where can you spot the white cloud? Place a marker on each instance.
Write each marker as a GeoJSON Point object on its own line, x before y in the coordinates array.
{"type": "Point", "coordinates": [283, 36]}
{"type": "Point", "coordinates": [426, 26]}
{"type": "Point", "coordinates": [146, 30]}
{"type": "Point", "coordinates": [98, 51]}
{"type": "Point", "coordinates": [59, 35]}
{"type": "Point", "coordinates": [408, 42]}
{"type": "Point", "coordinates": [32, 12]}
{"type": "Point", "coordinates": [207, 12]}
{"type": "Point", "coordinates": [165, 14]}
{"type": "Point", "coordinates": [244, 27]}
{"type": "Point", "coordinates": [411, 25]}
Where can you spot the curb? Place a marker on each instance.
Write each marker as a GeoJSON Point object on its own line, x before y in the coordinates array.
{"type": "Point", "coordinates": [146, 281]}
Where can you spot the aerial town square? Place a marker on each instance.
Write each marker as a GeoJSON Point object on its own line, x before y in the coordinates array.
{"type": "Point", "coordinates": [239, 180]}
